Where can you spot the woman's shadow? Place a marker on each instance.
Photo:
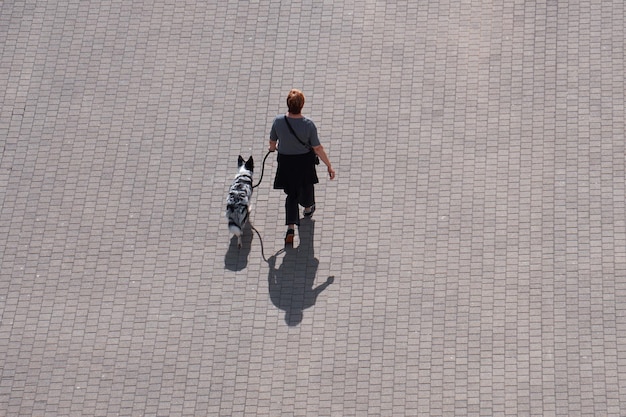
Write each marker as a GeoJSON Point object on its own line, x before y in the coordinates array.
{"type": "Point", "coordinates": [291, 284]}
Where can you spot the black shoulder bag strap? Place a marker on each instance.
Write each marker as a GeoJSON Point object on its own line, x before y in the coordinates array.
{"type": "Point", "coordinates": [293, 132]}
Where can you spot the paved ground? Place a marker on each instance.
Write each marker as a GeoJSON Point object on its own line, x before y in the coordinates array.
{"type": "Point", "coordinates": [469, 259]}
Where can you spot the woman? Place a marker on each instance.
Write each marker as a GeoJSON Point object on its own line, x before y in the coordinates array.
{"type": "Point", "coordinates": [295, 138]}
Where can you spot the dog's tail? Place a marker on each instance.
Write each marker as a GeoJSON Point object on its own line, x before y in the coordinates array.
{"type": "Point", "coordinates": [234, 229]}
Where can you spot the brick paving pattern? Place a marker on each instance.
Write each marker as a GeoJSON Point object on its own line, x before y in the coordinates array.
{"type": "Point", "coordinates": [468, 260]}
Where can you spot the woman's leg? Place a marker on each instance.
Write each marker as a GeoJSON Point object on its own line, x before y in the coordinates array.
{"type": "Point", "coordinates": [291, 208]}
{"type": "Point", "coordinates": [292, 216]}
{"type": "Point", "coordinates": [307, 197]}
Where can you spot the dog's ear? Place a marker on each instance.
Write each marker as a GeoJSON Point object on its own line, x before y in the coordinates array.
{"type": "Point", "coordinates": [250, 164]}
{"type": "Point", "coordinates": [240, 161]}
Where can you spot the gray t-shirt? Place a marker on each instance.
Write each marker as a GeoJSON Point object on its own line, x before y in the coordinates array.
{"type": "Point", "coordinates": [287, 143]}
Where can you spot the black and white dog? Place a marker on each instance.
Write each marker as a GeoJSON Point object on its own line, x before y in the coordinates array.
{"type": "Point", "coordinates": [238, 202]}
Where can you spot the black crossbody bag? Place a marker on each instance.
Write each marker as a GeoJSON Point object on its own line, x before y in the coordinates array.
{"type": "Point", "coordinates": [293, 132]}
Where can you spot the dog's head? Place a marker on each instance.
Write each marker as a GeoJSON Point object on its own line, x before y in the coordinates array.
{"type": "Point", "coordinates": [247, 165]}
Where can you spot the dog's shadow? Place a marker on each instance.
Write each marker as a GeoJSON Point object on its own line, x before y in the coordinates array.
{"type": "Point", "coordinates": [291, 284]}
{"type": "Point", "coordinates": [236, 259]}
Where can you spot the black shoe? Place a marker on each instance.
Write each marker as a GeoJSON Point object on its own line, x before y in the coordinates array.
{"type": "Point", "coordinates": [310, 212]}
{"type": "Point", "coordinates": [289, 236]}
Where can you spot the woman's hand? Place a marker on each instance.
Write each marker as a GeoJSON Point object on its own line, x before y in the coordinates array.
{"type": "Point", "coordinates": [331, 173]}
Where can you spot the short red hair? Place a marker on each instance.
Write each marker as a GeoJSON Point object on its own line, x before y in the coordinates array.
{"type": "Point", "coordinates": [295, 101]}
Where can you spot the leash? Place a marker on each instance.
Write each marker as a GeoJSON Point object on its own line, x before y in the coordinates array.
{"type": "Point", "coordinates": [252, 227]}
{"type": "Point", "coordinates": [253, 187]}
{"type": "Point", "coordinates": [262, 170]}
{"type": "Point", "coordinates": [262, 250]}
{"type": "Point", "coordinates": [260, 240]}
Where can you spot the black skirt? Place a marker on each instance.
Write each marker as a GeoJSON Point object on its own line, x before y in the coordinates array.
{"type": "Point", "coordinates": [295, 171]}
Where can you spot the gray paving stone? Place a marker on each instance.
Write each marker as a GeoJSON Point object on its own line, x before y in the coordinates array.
{"type": "Point", "coordinates": [475, 234]}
